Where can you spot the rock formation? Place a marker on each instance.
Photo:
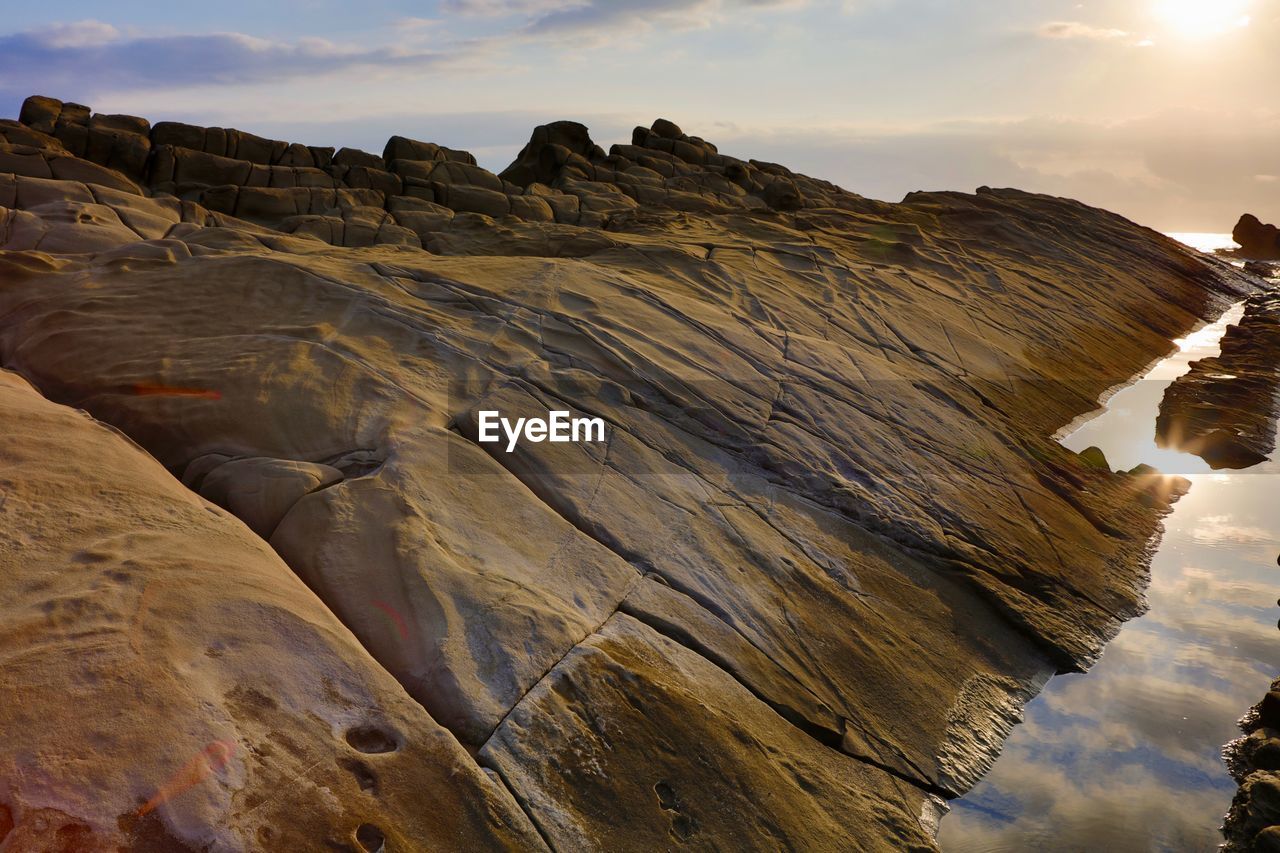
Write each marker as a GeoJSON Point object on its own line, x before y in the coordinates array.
{"type": "Point", "coordinates": [171, 685]}
{"type": "Point", "coordinates": [796, 599]}
{"type": "Point", "coordinates": [1262, 269]}
{"type": "Point", "coordinates": [1257, 241]}
{"type": "Point", "coordinates": [1253, 824]}
{"type": "Point", "coordinates": [1224, 409]}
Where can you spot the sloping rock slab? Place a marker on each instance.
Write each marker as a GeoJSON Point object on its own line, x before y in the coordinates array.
{"type": "Point", "coordinates": [170, 685]}
{"type": "Point", "coordinates": [633, 742]}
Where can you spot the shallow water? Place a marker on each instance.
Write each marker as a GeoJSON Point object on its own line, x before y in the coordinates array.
{"type": "Point", "coordinates": [1128, 756]}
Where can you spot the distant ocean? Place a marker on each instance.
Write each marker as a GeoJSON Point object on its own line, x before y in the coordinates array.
{"type": "Point", "coordinates": [1205, 241]}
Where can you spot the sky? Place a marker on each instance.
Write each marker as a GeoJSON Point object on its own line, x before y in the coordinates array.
{"type": "Point", "coordinates": [1162, 110]}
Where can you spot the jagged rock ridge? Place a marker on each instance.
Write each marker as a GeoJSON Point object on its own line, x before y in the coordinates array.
{"type": "Point", "coordinates": [828, 547]}
{"type": "Point", "coordinates": [412, 191]}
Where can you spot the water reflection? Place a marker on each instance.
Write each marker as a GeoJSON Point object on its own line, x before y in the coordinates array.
{"type": "Point", "coordinates": [1127, 757]}
{"type": "Point", "coordinates": [1126, 431]}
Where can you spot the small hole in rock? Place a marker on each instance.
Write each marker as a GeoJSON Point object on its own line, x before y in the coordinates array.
{"type": "Point", "coordinates": [371, 739]}
{"type": "Point", "coordinates": [371, 838]}
{"type": "Point", "coordinates": [682, 827]}
{"type": "Point", "coordinates": [365, 778]}
{"type": "Point", "coordinates": [666, 796]}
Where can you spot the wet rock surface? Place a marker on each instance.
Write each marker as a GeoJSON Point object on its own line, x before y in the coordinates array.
{"type": "Point", "coordinates": [1224, 409]}
{"type": "Point", "coordinates": [1253, 824]}
{"type": "Point", "coordinates": [797, 595]}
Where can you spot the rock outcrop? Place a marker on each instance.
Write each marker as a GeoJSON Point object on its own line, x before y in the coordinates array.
{"type": "Point", "coordinates": [1253, 824]}
{"type": "Point", "coordinates": [794, 599]}
{"type": "Point", "coordinates": [1224, 409]}
{"type": "Point", "coordinates": [1257, 241]}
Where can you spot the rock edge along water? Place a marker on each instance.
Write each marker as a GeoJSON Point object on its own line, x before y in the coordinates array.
{"type": "Point", "coordinates": [1253, 824]}
{"type": "Point", "coordinates": [826, 550]}
{"type": "Point", "coordinates": [1224, 409]}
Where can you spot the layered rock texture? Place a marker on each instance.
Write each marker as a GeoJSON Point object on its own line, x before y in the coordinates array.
{"type": "Point", "coordinates": [1224, 409]}
{"type": "Point", "coordinates": [796, 597]}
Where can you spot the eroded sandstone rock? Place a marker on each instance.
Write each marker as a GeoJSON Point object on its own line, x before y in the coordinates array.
{"type": "Point", "coordinates": [827, 548]}
{"type": "Point", "coordinates": [173, 686]}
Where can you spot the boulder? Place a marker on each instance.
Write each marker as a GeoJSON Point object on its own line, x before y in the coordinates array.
{"type": "Point", "coordinates": [123, 123]}
{"type": "Point", "coordinates": [667, 129]}
{"type": "Point", "coordinates": [369, 177]}
{"type": "Point", "coordinates": [422, 221]}
{"type": "Point", "coordinates": [447, 172]}
{"type": "Point", "coordinates": [465, 198]}
{"type": "Point", "coordinates": [123, 150]}
{"type": "Point", "coordinates": [270, 204]}
{"type": "Point", "coordinates": [1094, 458]}
{"type": "Point", "coordinates": [225, 142]}
{"type": "Point", "coordinates": [782, 194]}
{"type": "Point", "coordinates": [356, 157]}
{"type": "Point", "coordinates": [16, 133]}
{"type": "Point", "coordinates": [40, 113]}
{"type": "Point", "coordinates": [531, 208]}
{"type": "Point", "coordinates": [403, 148]}
{"type": "Point", "coordinates": [1257, 241]}
{"type": "Point", "coordinates": [548, 149]}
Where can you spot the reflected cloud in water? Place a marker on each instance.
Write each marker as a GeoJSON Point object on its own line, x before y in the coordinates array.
{"type": "Point", "coordinates": [1127, 756]}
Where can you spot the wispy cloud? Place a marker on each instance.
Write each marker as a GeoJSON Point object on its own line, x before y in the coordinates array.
{"type": "Point", "coordinates": [79, 34]}
{"type": "Point", "coordinates": [605, 18]}
{"type": "Point", "coordinates": [1217, 529]}
{"type": "Point", "coordinates": [503, 8]}
{"type": "Point", "coordinates": [86, 58]}
{"type": "Point", "coordinates": [1077, 30]}
{"type": "Point", "coordinates": [97, 56]}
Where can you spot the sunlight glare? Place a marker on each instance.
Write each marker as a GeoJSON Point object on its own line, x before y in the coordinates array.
{"type": "Point", "coordinates": [1201, 19]}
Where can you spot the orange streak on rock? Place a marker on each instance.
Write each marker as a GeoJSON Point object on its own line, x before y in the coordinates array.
{"type": "Point", "coordinates": [148, 389]}
{"type": "Point", "coordinates": [395, 617]}
{"type": "Point", "coordinates": [209, 760]}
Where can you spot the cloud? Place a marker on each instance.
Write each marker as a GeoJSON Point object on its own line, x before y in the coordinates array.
{"type": "Point", "coordinates": [1219, 529]}
{"type": "Point", "coordinates": [87, 57]}
{"type": "Point", "coordinates": [413, 24]}
{"type": "Point", "coordinates": [605, 18]}
{"type": "Point", "coordinates": [78, 34]}
{"type": "Point", "coordinates": [84, 59]}
{"type": "Point", "coordinates": [503, 8]}
{"type": "Point", "coordinates": [1077, 30]}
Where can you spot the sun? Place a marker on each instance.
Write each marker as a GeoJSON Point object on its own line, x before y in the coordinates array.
{"type": "Point", "coordinates": [1201, 19]}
